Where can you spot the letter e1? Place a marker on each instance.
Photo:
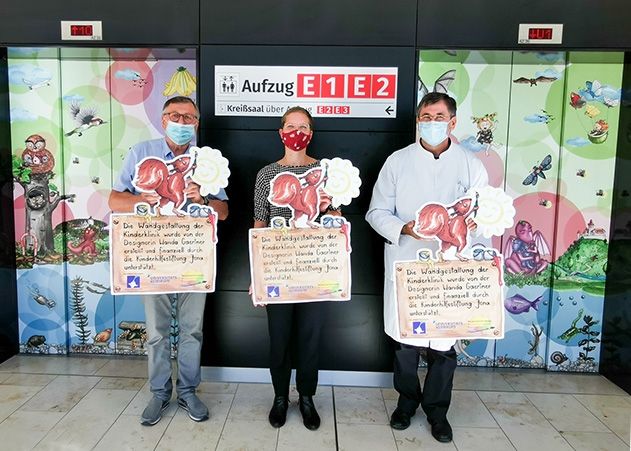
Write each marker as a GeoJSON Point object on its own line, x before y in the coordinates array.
{"type": "Point", "coordinates": [308, 85]}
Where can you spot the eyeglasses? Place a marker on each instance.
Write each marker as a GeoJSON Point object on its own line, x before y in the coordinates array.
{"type": "Point", "coordinates": [199, 211]}
{"type": "Point", "coordinates": [438, 118]}
{"type": "Point", "coordinates": [332, 222]}
{"type": "Point", "coordinates": [293, 127]}
{"type": "Point", "coordinates": [188, 118]}
{"type": "Point", "coordinates": [482, 253]}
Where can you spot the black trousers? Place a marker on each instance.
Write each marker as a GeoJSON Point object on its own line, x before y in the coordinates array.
{"type": "Point", "coordinates": [294, 331]}
{"type": "Point", "coordinates": [436, 394]}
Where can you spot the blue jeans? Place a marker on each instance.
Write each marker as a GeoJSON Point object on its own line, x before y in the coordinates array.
{"type": "Point", "coordinates": [190, 316]}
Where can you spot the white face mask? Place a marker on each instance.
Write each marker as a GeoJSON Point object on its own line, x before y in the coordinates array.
{"type": "Point", "coordinates": [433, 133]}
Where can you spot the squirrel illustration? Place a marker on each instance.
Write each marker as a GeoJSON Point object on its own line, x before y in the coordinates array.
{"type": "Point", "coordinates": [305, 199]}
{"type": "Point", "coordinates": [168, 179]}
{"type": "Point", "coordinates": [87, 243]}
{"type": "Point", "coordinates": [435, 221]}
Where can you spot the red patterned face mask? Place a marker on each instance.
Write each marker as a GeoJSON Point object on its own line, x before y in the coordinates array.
{"type": "Point", "coordinates": [296, 140]}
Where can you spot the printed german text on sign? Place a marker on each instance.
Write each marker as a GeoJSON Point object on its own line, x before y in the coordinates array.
{"type": "Point", "coordinates": [450, 299]}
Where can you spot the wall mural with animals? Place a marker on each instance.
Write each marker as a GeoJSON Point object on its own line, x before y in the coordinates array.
{"type": "Point", "coordinates": [545, 127]}
{"type": "Point", "coordinates": [74, 115]}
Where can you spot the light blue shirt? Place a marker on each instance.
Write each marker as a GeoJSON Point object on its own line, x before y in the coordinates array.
{"type": "Point", "coordinates": [152, 148]}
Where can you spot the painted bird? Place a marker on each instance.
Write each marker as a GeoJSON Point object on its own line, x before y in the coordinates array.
{"type": "Point", "coordinates": [85, 117]}
{"type": "Point", "coordinates": [103, 336]}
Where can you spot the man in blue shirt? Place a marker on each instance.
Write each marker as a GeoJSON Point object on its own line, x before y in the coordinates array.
{"type": "Point", "coordinates": [180, 119]}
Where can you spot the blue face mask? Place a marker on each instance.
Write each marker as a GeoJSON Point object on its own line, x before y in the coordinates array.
{"type": "Point", "coordinates": [180, 134]}
{"type": "Point", "coordinates": [433, 133]}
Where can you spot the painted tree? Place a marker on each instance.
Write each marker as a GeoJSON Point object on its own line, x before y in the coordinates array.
{"type": "Point", "coordinates": [41, 197]}
{"type": "Point", "coordinates": [79, 318]}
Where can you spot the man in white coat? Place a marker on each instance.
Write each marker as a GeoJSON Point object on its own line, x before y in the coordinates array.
{"type": "Point", "coordinates": [438, 170]}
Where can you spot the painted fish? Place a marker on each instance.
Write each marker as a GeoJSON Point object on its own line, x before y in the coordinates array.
{"type": "Point", "coordinates": [35, 340]}
{"type": "Point", "coordinates": [103, 336]}
{"type": "Point", "coordinates": [43, 300]}
{"type": "Point", "coordinates": [518, 304]}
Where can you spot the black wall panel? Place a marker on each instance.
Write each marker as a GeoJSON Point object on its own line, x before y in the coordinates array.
{"type": "Point", "coordinates": [353, 337]}
{"type": "Point", "coordinates": [125, 23]}
{"type": "Point", "coordinates": [493, 24]}
{"type": "Point", "coordinates": [466, 24]}
{"type": "Point", "coordinates": [8, 296]}
{"type": "Point", "coordinates": [615, 359]}
{"type": "Point", "coordinates": [402, 57]}
{"type": "Point", "coordinates": [326, 22]}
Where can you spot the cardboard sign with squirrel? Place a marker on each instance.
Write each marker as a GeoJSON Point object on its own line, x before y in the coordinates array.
{"type": "Point", "coordinates": [169, 247]}
{"type": "Point", "coordinates": [458, 292]}
{"type": "Point", "coordinates": [306, 257]}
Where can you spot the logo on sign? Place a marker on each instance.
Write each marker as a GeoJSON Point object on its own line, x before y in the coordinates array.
{"type": "Point", "coordinates": [228, 84]}
{"type": "Point", "coordinates": [419, 327]}
{"type": "Point", "coordinates": [273, 291]}
{"type": "Point", "coordinates": [133, 281]}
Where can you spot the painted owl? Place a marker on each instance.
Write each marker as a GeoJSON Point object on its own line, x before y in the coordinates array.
{"type": "Point", "coordinates": [36, 156]}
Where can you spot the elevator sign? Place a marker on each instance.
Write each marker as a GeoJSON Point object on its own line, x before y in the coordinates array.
{"type": "Point", "coordinates": [268, 91]}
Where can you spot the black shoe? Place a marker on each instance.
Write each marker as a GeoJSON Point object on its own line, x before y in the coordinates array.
{"type": "Point", "coordinates": [441, 431]}
{"type": "Point", "coordinates": [400, 420]}
{"type": "Point", "coordinates": [310, 416]}
{"type": "Point", "coordinates": [278, 413]}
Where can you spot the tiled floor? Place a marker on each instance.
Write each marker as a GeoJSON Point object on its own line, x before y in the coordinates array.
{"type": "Point", "coordinates": [82, 403]}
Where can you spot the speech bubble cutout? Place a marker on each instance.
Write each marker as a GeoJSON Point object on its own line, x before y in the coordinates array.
{"type": "Point", "coordinates": [342, 182]}
{"type": "Point", "coordinates": [495, 211]}
{"type": "Point", "coordinates": [211, 170]}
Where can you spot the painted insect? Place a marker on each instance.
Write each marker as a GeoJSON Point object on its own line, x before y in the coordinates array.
{"type": "Point", "coordinates": [538, 171]}
{"type": "Point", "coordinates": [576, 101]}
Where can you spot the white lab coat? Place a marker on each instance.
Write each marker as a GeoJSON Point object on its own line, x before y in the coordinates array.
{"type": "Point", "coordinates": [409, 178]}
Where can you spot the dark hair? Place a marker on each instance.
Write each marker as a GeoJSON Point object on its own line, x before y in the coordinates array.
{"type": "Point", "coordinates": [180, 99]}
{"type": "Point", "coordinates": [434, 97]}
{"type": "Point", "coordinates": [296, 109]}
